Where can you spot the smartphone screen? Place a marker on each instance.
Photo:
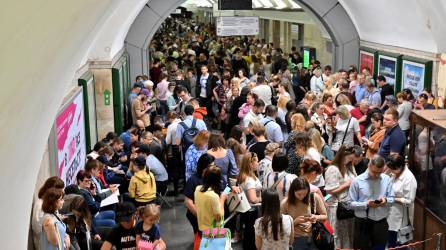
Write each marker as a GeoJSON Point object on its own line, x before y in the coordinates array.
{"type": "Point", "coordinates": [227, 190]}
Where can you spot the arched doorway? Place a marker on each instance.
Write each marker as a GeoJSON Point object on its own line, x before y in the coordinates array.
{"type": "Point", "coordinates": [330, 14]}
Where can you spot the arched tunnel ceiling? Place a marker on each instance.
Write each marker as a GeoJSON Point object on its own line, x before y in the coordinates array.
{"type": "Point", "coordinates": [42, 44]}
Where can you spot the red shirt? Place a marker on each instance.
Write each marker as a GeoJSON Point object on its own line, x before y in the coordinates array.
{"type": "Point", "coordinates": [356, 112]}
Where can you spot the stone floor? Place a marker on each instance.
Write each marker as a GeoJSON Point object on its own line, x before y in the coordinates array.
{"type": "Point", "coordinates": [175, 228]}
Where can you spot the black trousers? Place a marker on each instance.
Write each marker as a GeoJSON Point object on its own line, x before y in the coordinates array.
{"type": "Point", "coordinates": [248, 219]}
{"type": "Point", "coordinates": [370, 234]}
{"type": "Point", "coordinates": [175, 167]}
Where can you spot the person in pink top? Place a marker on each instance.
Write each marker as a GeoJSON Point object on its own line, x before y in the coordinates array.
{"type": "Point", "coordinates": [353, 83]}
{"type": "Point", "coordinates": [161, 95]}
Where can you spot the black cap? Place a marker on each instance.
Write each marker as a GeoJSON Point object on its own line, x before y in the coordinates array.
{"type": "Point", "coordinates": [143, 148]}
{"type": "Point", "coordinates": [140, 161]}
{"type": "Point", "coordinates": [125, 212]}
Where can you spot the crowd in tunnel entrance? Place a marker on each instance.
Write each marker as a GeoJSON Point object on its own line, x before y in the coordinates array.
{"type": "Point", "coordinates": [315, 157]}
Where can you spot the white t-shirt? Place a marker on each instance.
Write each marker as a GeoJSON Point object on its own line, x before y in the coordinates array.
{"type": "Point", "coordinates": [313, 154]}
{"type": "Point", "coordinates": [251, 183]}
{"type": "Point", "coordinates": [341, 127]}
{"type": "Point", "coordinates": [250, 117]}
{"type": "Point", "coordinates": [263, 91]}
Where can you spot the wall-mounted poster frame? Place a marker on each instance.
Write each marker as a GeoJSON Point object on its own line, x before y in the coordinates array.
{"type": "Point", "coordinates": [389, 65]}
{"type": "Point", "coordinates": [368, 58]}
{"type": "Point", "coordinates": [67, 147]}
{"type": "Point", "coordinates": [416, 74]}
{"type": "Point", "coordinates": [87, 83]}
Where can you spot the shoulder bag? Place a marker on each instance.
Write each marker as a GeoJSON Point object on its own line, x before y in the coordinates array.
{"type": "Point", "coordinates": [322, 238]}
{"type": "Point", "coordinates": [405, 234]}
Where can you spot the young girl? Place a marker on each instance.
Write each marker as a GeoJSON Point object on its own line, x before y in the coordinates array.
{"type": "Point", "coordinates": [147, 230]}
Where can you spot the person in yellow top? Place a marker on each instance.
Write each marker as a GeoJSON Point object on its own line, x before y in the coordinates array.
{"type": "Point", "coordinates": [208, 200]}
{"type": "Point", "coordinates": [142, 185]}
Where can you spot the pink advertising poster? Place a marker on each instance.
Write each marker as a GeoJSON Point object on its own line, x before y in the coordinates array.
{"type": "Point", "coordinates": [70, 136]}
{"type": "Point", "coordinates": [366, 59]}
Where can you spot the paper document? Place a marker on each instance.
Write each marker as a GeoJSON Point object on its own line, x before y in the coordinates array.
{"type": "Point", "coordinates": [112, 199]}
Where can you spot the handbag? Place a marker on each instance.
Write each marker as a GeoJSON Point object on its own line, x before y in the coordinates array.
{"type": "Point", "coordinates": [405, 234]}
{"type": "Point", "coordinates": [343, 213]}
{"type": "Point", "coordinates": [216, 238]}
{"type": "Point", "coordinates": [238, 202]}
{"type": "Point", "coordinates": [322, 238]}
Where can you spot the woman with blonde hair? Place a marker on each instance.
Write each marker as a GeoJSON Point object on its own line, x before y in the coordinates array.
{"type": "Point", "coordinates": [344, 100]}
{"type": "Point", "coordinates": [329, 87]}
{"type": "Point", "coordinates": [251, 186]}
{"type": "Point", "coordinates": [298, 124]}
{"type": "Point", "coordinates": [281, 107]}
{"type": "Point", "coordinates": [309, 99]}
{"type": "Point", "coordinates": [347, 127]}
{"type": "Point", "coordinates": [321, 146]}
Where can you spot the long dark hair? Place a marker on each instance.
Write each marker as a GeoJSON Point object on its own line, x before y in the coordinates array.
{"type": "Point", "coordinates": [212, 179]}
{"type": "Point", "coordinates": [298, 184]}
{"type": "Point", "coordinates": [271, 213]}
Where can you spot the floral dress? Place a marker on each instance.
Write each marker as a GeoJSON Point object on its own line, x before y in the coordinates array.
{"type": "Point", "coordinates": [294, 160]}
{"type": "Point", "coordinates": [343, 229]}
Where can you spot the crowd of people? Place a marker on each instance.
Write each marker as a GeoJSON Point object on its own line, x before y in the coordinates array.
{"type": "Point", "coordinates": [226, 115]}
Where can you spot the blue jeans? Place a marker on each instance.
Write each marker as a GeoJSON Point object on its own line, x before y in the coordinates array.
{"type": "Point", "coordinates": [304, 243]}
{"type": "Point", "coordinates": [104, 219]}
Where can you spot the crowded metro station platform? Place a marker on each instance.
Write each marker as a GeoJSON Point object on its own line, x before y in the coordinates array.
{"type": "Point", "coordinates": [233, 127]}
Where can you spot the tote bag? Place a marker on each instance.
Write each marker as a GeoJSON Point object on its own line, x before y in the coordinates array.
{"type": "Point", "coordinates": [216, 238]}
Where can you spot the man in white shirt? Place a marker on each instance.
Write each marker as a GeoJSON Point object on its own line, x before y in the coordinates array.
{"type": "Point", "coordinates": [327, 72]}
{"type": "Point", "coordinates": [253, 114]}
{"type": "Point", "coordinates": [263, 90]}
{"type": "Point", "coordinates": [316, 83]}
{"type": "Point", "coordinates": [405, 189]}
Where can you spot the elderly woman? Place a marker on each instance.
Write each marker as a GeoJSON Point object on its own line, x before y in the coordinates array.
{"type": "Point", "coordinates": [360, 113]}
{"type": "Point", "coordinates": [347, 127]}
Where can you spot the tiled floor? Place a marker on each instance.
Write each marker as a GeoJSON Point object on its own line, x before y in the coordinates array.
{"type": "Point", "coordinates": [175, 228]}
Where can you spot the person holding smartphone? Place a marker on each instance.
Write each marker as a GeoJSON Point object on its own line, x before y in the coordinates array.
{"type": "Point", "coordinates": [373, 142]}
{"type": "Point", "coordinates": [371, 195]}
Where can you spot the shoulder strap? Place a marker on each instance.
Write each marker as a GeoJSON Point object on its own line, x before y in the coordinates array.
{"type": "Point", "coordinates": [267, 122]}
{"type": "Point", "coordinates": [274, 186]}
{"type": "Point", "coordinates": [345, 133]}
{"type": "Point", "coordinates": [312, 204]}
{"type": "Point", "coordinates": [406, 211]}
{"type": "Point", "coordinates": [184, 125]}
{"type": "Point", "coordinates": [194, 123]}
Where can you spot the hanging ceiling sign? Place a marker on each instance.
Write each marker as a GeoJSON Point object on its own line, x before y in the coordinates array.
{"type": "Point", "coordinates": [237, 26]}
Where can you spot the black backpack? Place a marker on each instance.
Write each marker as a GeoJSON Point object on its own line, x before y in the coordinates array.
{"type": "Point", "coordinates": [188, 134]}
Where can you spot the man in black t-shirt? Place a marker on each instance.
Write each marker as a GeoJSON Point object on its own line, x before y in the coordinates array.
{"type": "Point", "coordinates": [386, 89]}
{"type": "Point", "coordinates": [359, 161]}
{"type": "Point", "coordinates": [123, 236]}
